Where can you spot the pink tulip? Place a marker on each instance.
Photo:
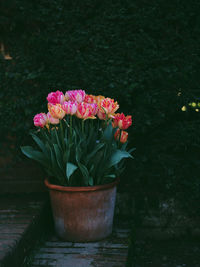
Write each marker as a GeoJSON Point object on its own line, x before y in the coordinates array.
{"type": "Point", "coordinates": [84, 111]}
{"type": "Point", "coordinates": [40, 120]}
{"type": "Point", "coordinates": [94, 109]}
{"type": "Point", "coordinates": [90, 99]}
{"type": "Point", "coordinates": [56, 98]}
{"type": "Point", "coordinates": [51, 119]}
{"type": "Point", "coordinates": [75, 95]}
{"type": "Point", "coordinates": [123, 136]}
{"type": "Point", "coordinates": [70, 107]}
{"type": "Point", "coordinates": [56, 111]}
{"type": "Point", "coordinates": [122, 121]}
{"type": "Point", "coordinates": [101, 115]}
{"type": "Point", "coordinates": [107, 108]}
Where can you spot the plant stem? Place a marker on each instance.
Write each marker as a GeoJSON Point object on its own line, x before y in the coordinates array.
{"type": "Point", "coordinates": [120, 133]}
{"type": "Point", "coordinates": [83, 126]}
{"type": "Point", "coordinates": [70, 129]}
{"type": "Point", "coordinates": [62, 134]}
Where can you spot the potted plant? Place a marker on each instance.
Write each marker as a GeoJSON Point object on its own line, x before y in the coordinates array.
{"type": "Point", "coordinates": [81, 144]}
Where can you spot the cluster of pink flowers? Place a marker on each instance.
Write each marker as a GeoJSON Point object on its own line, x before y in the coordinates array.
{"type": "Point", "coordinates": [83, 106]}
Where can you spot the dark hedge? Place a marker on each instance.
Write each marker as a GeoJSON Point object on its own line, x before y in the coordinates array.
{"type": "Point", "coordinates": [143, 53]}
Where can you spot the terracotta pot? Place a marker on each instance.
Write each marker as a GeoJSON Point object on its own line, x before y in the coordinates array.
{"type": "Point", "coordinates": [83, 214]}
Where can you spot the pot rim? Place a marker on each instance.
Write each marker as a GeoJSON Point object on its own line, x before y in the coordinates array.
{"type": "Point", "coordinates": [80, 188]}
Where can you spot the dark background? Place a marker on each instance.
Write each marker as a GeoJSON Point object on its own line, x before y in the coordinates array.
{"type": "Point", "coordinates": [145, 54]}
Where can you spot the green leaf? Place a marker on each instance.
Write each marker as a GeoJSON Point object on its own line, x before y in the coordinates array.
{"type": "Point", "coordinates": [58, 156]}
{"type": "Point", "coordinates": [96, 149]}
{"type": "Point", "coordinates": [131, 150]}
{"type": "Point", "coordinates": [33, 154]}
{"type": "Point", "coordinates": [84, 172]}
{"type": "Point", "coordinates": [40, 144]}
{"type": "Point", "coordinates": [110, 176]}
{"type": "Point", "coordinates": [53, 163]}
{"type": "Point", "coordinates": [58, 140]}
{"type": "Point", "coordinates": [117, 156]}
{"type": "Point", "coordinates": [70, 169]}
{"type": "Point", "coordinates": [91, 181]}
{"type": "Point", "coordinates": [108, 132]}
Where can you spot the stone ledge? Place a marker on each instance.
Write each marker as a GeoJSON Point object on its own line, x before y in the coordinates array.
{"type": "Point", "coordinates": [22, 219]}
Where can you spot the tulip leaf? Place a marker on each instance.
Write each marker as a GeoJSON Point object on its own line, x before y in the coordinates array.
{"type": "Point", "coordinates": [70, 169]}
{"type": "Point", "coordinates": [96, 149]}
{"type": "Point", "coordinates": [57, 139]}
{"type": "Point", "coordinates": [84, 172]}
{"type": "Point", "coordinates": [110, 176]}
{"type": "Point", "coordinates": [117, 156]}
{"type": "Point", "coordinates": [33, 154]}
{"type": "Point", "coordinates": [40, 144]}
{"type": "Point", "coordinates": [131, 150]}
{"type": "Point", "coordinates": [58, 156]}
{"type": "Point", "coordinates": [91, 181]}
{"type": "Point", "coordinates": [108, 133]}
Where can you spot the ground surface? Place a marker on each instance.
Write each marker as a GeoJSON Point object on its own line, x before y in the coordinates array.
{"type": "Point", "coordinates": [110, 252]}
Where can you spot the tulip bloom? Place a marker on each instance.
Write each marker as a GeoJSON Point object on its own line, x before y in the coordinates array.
{"type": "Point", "coordinates": [56, 98]}
{"type": "Point", "coordinates": [40, 120]}
{"type": "Point", "coordinates": [90, 99]}
{"type": "Point", "coordinates": [101, 115]}
{"type": "Point", "coordinates": [107, 108]}
{"type": "Point", "coordinates": [56, 111]}
{"type": "Point", "coordinates": [94, 109]}
{"type": "Point", "coordinates": [51, 119]}
{"type": "Point", "coordinates": [70, 107]}
{"type": "Point", "coordinates": [122, 121]}
{"type": "Point", "coordinates": [98, 99]}
{"type": "Point", "coordinates": [75, 95]}
{"type": "Point", "coordinates": [85, 111]}
{"type": "Point", "coordinates": [123, 137]}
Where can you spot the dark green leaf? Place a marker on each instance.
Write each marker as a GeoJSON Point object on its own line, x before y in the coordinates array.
{"type": "Point", "coordinates": [40, 144]}
{"type": "Point", "coordinates": [33, 154]}
{"type": "Point", "coordinates": [70, 169]}
{"type": "Point", "coordinates": [117, 156]}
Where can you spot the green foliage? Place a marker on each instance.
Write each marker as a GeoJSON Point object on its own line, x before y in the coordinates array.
{"type": "Point", "coordinates": [86, 157]}
{"type": "Point", "coordinates": [143, 53]}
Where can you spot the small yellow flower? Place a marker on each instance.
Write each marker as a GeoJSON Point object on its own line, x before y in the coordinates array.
{"type": "Point", "coordinates": [198, 104]}
{"type": "Point", "coordinates": [197, 110]}
{"type": "Point", "coordinates": [194, 104]}
{"type": "Point", "coordinates": [184, 108]}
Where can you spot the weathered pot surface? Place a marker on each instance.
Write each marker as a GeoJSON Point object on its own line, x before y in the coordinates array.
{"type": "Point", "coordinates": [83, 214]}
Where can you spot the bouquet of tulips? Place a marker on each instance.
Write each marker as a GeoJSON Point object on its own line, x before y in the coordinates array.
{"type": "Point", "coordinates": [81, 140]}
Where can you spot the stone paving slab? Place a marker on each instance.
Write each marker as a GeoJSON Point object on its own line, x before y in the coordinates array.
{"type": "Point", "coordinates": [110, 252]}
{"type": "Point", "coordinates": [21, 219]}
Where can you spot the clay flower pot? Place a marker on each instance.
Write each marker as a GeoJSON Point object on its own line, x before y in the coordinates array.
{"type": "Point", "coordinates": [83, 214]}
